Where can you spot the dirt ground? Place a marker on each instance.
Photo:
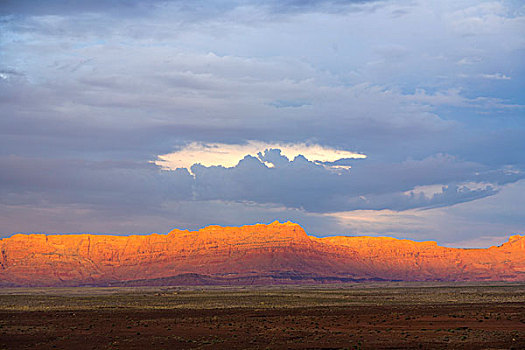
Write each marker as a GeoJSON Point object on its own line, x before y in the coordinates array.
{"type": "Point", "coordinates": [378, 316]}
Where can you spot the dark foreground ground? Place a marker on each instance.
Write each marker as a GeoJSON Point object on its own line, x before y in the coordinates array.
{"type": "Point", "coordinates": [352, 316]}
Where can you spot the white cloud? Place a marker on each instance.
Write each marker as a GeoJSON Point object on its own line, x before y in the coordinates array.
{"type": "Point", "coordinates": [229, 155]}
{"type": "Point", "coordinates": [469, 61]}
{"type": "Point", "coordinates": [496, 76]}
{"type": "Point", "coordinates": [480, 223]}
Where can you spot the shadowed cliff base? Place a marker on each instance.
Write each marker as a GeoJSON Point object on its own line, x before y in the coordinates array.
{"type": "Point", "coordinates": [257, 254]}
{"type": "Point", "coordinates": [193, 279]}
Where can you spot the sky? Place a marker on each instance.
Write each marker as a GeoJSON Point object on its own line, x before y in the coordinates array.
{"type": "Point", "coordinates": [381, 118]}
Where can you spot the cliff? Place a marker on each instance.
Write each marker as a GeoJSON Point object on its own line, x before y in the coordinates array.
{"type": "Point", "coordinates": [275, 253]}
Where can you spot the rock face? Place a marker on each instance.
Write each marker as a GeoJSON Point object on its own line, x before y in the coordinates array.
{"type": "Point", "coordinates": [275, 253]}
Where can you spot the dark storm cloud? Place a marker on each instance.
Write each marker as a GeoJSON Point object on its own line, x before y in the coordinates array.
{"type": "Point", "coordinates": [449, 195]}
{"type": "Point", "coordinates": [300, 183]}
{"type": "Point", "coordinates": [496, 147]}
{"type": "Point", "coordinates": [296, 183]}
{"type": "Point", "coordinates": [139, 7]}
{"type": "Point", "coordinates": [301, 6]}
{"type": "Point", "coordinates": [119, 185]}
{"type": "Point", "coordinates": [65, 7]}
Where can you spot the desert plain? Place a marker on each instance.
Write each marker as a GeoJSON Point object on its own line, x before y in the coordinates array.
{"type": "Point", "coordinates": [382, 315]}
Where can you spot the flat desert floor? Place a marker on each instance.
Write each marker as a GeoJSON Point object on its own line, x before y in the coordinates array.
{"type": "Point", "coordinates": [344, 316]}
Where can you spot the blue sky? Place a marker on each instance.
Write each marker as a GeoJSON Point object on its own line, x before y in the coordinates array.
{"type": "Point", "coordinates": [398, 118]}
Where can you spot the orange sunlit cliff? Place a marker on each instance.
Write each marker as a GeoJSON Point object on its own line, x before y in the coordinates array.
{"type": "Point", "coordinates": [275, 253]}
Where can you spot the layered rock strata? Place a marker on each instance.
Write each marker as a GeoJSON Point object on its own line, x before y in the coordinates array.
{"type": "Point", "coordinates": [274, 253]}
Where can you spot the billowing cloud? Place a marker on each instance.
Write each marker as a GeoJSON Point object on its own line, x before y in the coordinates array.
{"type": "Point", "coordinates": [229, 155]}
{"type": "Point", "coordinates": [304, 184]}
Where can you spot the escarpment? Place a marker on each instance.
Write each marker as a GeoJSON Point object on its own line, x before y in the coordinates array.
{"type": "Point", "coordinates": [274, 253]}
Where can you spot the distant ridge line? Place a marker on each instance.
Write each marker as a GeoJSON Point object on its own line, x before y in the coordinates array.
{"type": "Point", "coordinates": [263, 254]}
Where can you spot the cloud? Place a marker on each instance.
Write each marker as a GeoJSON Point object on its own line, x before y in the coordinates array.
{"type": "Point", "coordinates": [496, 76]}
{"type": "Point", "coordinates": [479, 242]}
{"type": "Point", "coordinates": [289, 104]}
{"type": "Point", "coordinates": [229, 155]}
{"type": "Point", "coordinates": [120, 186]}
{"type": "Point", "coordinates": [79, 124]}
{"type": "Point", "coordinates": [304, 184]}
{"type": "Point", "coordinates": [453, 97]}
{"type": "Point", "coordinates": [466, 224]}
{"type": "Point", "coordinates": [449, 195]}
{"type": "Point", "coordinates": [136, 188]}
{"type": "Point", "coordinates": [137, 7]}
{"type": "Point", "coordinates": [67, 7]}
{"type": "Point", "coordinates": [469, 60]}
